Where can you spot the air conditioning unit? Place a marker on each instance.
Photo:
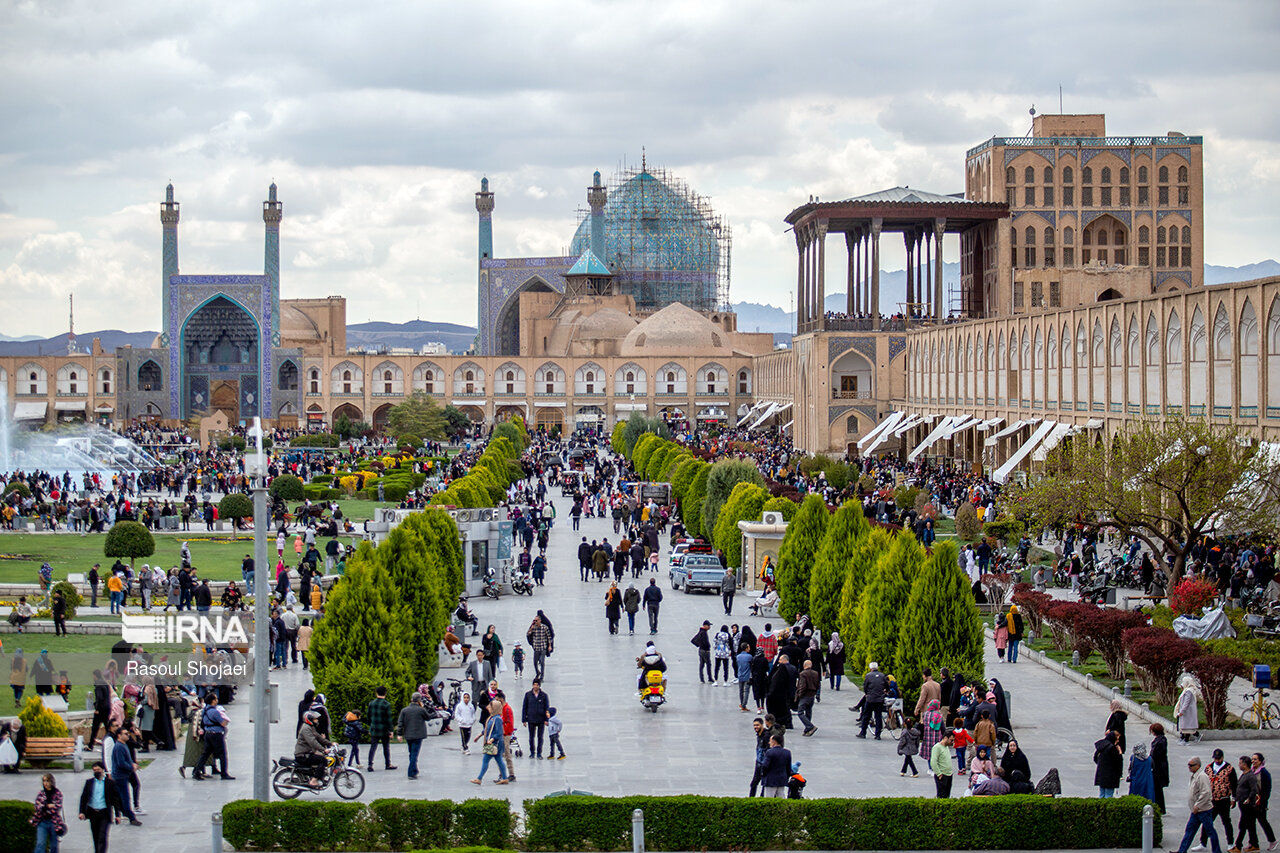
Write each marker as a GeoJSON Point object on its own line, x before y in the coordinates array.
{"type": "Point", "coordinates": [772, 518]}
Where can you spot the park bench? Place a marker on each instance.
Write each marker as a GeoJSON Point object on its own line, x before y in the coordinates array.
{"type": "Point", "coordinates": [1154, 599]}
{"type": "Point", "coordinates": [42, 750]}
{"type": "Point", "coordinates": [449, 661]}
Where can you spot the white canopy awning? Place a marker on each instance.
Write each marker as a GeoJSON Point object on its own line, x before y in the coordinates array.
{"type": "Point", "coordinates": [763, 416]}
{"type": "Point", "coordinates": [69, 406]}
{"type": "Point", "coordinates": [1052, 440]}
{"type": "Point", "coordinates": [1010, 430]}
{"type": "Point", "coordinates": [25, 410]}
{"type": "Point", "coordinates": [935, 434]}
{"type": "Point", "coordinates": [886, 424]}
{"type": "Point", "coordinates": [990, 424]}
{"type": "Point", "coordinates": [104, 407]}
{"type": "Point", "coordinates": [965, 422]}
{"type": "Point", "coordinates": [787, 425]}
{"type": "Point", "coordinates": [1093, 423]}
{"type": "Point", "coordinates": [903, 426]}
{"type": "Point", "coordinates": [1002, 473]}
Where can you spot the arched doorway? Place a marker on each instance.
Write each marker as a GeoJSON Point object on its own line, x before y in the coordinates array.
{"type": "Point", "coordinates": [550, 420]}
{"type": "Point", "coordinates": [220, 357]}
{"type": "Point", "coordinates": [506, 336]}
{"type": "Point", "coordinates": [380, 416]}
{"type": "Point", "coordinates": [349, 411]}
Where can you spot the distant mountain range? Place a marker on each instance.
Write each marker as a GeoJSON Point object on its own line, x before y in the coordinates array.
{"type": "Point", "coordinates": [752, 317]}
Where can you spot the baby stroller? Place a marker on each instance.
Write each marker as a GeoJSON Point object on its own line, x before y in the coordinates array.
{"type": "Point", "coordinates": [795, 785]}
{"type": "Point", "coordinates": [514, 742]}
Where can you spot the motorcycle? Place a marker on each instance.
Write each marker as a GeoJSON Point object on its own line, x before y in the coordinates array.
{"type": "Point", "coordinates": [492, 587]}
{"type": "Point", "coordinates": [289, 780]}
{"type": "Point", "coordinates": [654, 693]}
{"type": "Point", "coordinates": [522, 584]}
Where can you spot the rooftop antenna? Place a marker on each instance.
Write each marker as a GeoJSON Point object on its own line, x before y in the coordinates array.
{"type": "Point", "coordinates": [1059, 99]}
{"type": "Point", "coordinates": [71, 324]}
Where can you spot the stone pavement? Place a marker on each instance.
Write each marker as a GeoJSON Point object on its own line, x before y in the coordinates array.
{"type": "Point", "coordinates": [698, 743]}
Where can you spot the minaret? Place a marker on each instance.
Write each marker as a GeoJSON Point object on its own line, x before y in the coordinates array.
{"type": "Point", "coordinates": [169, 254]}
{"type": "Point", "coordinates": [71, 324]}
{"type": "Point", "coordinates": [484, 207]}
{"type": "Point", "coordinates": [596, 196]}
{"type": "Point", "coordinates": [272, 213]}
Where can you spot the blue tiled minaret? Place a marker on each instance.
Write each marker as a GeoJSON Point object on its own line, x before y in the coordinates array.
{"type": "Point", "coordinates": [484, 207]}
{"type": "Point", "coordinates": [596, 196]}
{"type": "Point", "coordinates": [169, 252]}
{"type": "Point", "coordinates": [272, 213]}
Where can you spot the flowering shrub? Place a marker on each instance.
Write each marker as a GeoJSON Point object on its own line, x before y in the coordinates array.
{"type": "Point", "coordinates": [1192, 595]}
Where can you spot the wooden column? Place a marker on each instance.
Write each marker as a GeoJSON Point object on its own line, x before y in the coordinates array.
{"type": "Point", "coordinates": [821, 301]}
{"type": "Point", "coordinates": [939, 230]}
{"type": "Point", "coordinates": [799, 279]}
{"type": "Point", "coordinates": [876, 224]}
{"type": "Point", "coordinates": [850, 293]}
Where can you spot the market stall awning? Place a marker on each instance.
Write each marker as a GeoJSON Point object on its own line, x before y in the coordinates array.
{"type": "Point", "coordinates": [903, 426]}
{"type": "Point", "coordinates": [104, 407]}
{"type": "Point", "coordinates": [787, 425]}
{"type": "Point", "coordinates": [1010, 430]}
{"type": "Point", "coordinates": [990, 424]}
{"type": "Point", "coordinates": [936, 433]}
{"type": "Point", "coordinates": [69, 406]}
{"type": "Point", "coordinates": [25, 410]}
{"type": "Point", "coordinates": [965, 422]}
{"type": "Point", "coordinates": [1052, 440]}
{"type": "Point", "coordinates": [886, 424]}
{"type": "Point", "coordinates": [763, 415]}
{"type": "Point", "coordinates": [1002, 473]}
{"type": "Point", "coordinates": [1093, 423]}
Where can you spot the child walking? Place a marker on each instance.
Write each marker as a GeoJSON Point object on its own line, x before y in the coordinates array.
{"type": "Point", "coordinates": [909, 745]}
{"type": "Point", "coordinates": [963, 740]}
{"type": "Point", "coordinates": [353, 731]}
{"type": "Point", "coordinates": [464, 715]}
{"type": "Point", "coordinates": [517, 660]}
{"type": "Point", "coordinates": [556, 725]}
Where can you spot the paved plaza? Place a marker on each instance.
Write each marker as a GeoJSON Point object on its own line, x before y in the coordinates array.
{"type": "Point", "coordinates": [698, 743]}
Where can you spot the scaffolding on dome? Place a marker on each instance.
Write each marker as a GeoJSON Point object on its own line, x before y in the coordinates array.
{"type": "Point", "coordinates": [663, 241]}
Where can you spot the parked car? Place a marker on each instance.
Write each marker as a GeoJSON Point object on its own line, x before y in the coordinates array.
{"type": "Point", "coordinates": [698, 569]}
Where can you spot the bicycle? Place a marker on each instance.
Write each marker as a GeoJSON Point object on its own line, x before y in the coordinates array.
{"type": "Point", "coordinates": [893, 718]}
{"type": "Point", "coordinates": [1261, 714]}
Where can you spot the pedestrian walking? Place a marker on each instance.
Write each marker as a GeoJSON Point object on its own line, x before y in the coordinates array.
{"type": "Point", "coordinates": [412, 727]}
{"type": "Point", "coordinates": [835, 660]}
{"type": "Point", "coordinates": [807, 685]}
{"type": "Point", "coordinates": [464, 717]}
{"type": "Point", "coordinates": [47, 815]}
{"type": "Point", "coordinates": [100, 805]}
{"type": "Point", "coordinates": [534, 713]}
{"type": "Point", "coordinates": [1259, 764]}
{"type": "Point", "coordinates": [213, 731]}
{"type": "Point", "coordinates": [941, 766]}
{"type": "Point", "coordinates": [493, 745]}
{"type": "Point", "coordinates": [1200, 804]}
{"type": "Point", "coordinates": [540, 638]}
{"type": "Point", "coordinates": [702, 641]}
{"type": "Point", "coordinates": [554, 727]}
{"type": "Point", "coordinates": [631, 605]}
{"type": "Point", "coordinates": [1248, 797]}
{"type": "Point", "coordinates": [909, 745]}
{"type": "Point", "coordinates": [1159, 765]}
{"type": "Point", "coordinates": [613, 607]}
{"type": "Point", "coordinates": [652, 600]}
{"type": "Point", "coordinates": [728, 586]}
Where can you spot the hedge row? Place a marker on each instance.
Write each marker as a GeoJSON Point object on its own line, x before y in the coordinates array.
{"type": "Point", "coordinates": [1024, 822]}
{"type": "Point", "coordinates": [387, 824]}
{"type": "Point", "coordinates": [321, 439]}
{"type": "Point", "coordinates": [16, 832]}
{"type": "Point", "coordinates": [690, 823]}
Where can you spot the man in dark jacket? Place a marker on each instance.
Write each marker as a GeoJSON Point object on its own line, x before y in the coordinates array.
{"type": "Point", "coordinates": [1259, 764]}
{"type": "Point", "coordinates": [874, 687]}
{"type": "Point", "coordinates": [807, 685]}
{"type": "Point", "coordinates": [379, 720]}
{"type": "Point", "coordinates": [534, 714]}
{"type": "Point", "coordinates": [1248, 798]}
{"type": "Point", "coordinates": [100, 804]}
{"type": "Point", "coordinates": [703, 642]}
{"type": "Point", "coordinates": [651, 600]}
{"type": "Point", "coordinates": [412, 725]}
{"type": "Point", "coordinates": [776, 769]}
{"type": "Point", "coordinates": [728, 586]}
{"type": "Point", "coordinates": [585, 550]}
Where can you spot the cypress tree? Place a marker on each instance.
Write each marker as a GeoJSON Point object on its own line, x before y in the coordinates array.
{"type": "Point", "coordinates": [645, 446]}
{"type": "Point", "coordinates": [724, 475]}
{"type": "Point", "coordinates": [786, 506]}
{"type": "Point", "coordinates": [833, 565]}
{"type": "Point", "coordinates": [744, 504]}
{"type": "Point", "coordinates": [686, 470]}
{"type": "Point", "coordinates": [796, 555]}
{"type": "Point", "coordinates": [691, 509]}
{"type": "Point", "coordinates": [440, 532]}
{"type": "Point", "coordinates": [365, 626]}
{"type": "Point", "coordinates": [862, 563]}
{"type": "Point", "coordinates": [884, 600]}
{"type": "Point", "coordinates": [419, 582]}
{"type": "Point", "coordinates": [940, 626]}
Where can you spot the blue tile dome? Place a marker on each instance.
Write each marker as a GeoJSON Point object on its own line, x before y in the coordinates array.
{"type": "Point", "coordinates": [662, 242]}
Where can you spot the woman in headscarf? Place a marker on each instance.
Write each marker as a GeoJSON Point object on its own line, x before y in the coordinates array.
{"type": "Point", "coordinates": [1002, 706]}
{"type": "Point", "coordinates": [835, 660]}
{"type": "Point", "coordinates": [819, 660]}
{"type": "Point", "coordinates": [613, 607]}
{"type": "Point", "coordinates": [1013, 621]}
{"type": "Point", "coordinates": [746, 635]}
{"type": "Point", "coordinates": [1187, 711]}
{"type": "Point", "coordinates": [1141, 781]}
{"type": "Point", "coordinates": [1115, 723]}
{"type": "Point", "coordinates": [303, 707]}
{"type": "Point", "coordinates": [1014, 759]}
{"type": "Point", "coordinates": [934, 728]}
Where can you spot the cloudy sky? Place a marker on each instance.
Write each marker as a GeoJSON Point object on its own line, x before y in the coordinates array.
{"type": "Point", "coordinates": [378, 119]}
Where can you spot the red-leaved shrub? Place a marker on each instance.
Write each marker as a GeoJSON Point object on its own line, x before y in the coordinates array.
{"type": "Point", "coordinates": [1104, 629]}
{"type": "Point", "coordinates": [1159, 656]}
{"type": "Point", "coordinates": [1215, 674]}
{"type": "Point", "coordinates": [1191, 595]}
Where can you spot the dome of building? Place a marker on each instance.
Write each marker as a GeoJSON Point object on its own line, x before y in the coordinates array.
{"type": "Point", "coordinates": [605, 324]}
{"type": "Point", "coordinates": [676, 330]}
{"type": "Point", "coordinates": [662, 242]}
{"type": "Point", "coordinates": [298, 328]}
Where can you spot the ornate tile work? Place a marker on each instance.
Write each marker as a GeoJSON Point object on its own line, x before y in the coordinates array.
{"type": "Point", "coordinates": [1163, 215]}
{"type": "Point", "coordinates": [897, 343]}
{"type": "Point", "coordinates": [834, 413]}
{"type": "Point", "coordinates": [1124, 216]}
{"type": "Point", "coordinates": [838, 346]}
{"type": "Point", "coordinates": [1162, 277]}
{"type": "Point", "coordinates": [502, 278]}
{"type": "Point", "coordinates": [1011, 154]}
{"type": "Point", "coordinates": [1185, 153]}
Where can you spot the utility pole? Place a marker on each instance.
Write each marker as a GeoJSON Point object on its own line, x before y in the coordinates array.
{"type": "Point", "coordinates": [256, 468]}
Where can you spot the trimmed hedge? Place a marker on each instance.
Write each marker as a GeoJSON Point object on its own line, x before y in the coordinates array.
{"type": "Point", "coordinates": [387, 824]}
{"type": "Point", "coordinates": [1025, 822]}
{"type": "Point", "coordinates": [15, 824]}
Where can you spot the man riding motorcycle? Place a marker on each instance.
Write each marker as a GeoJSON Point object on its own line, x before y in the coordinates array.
{"type": "Point", "coordinates": [309, 751]}
{"type": "Point", "coordinates": [651, 661]}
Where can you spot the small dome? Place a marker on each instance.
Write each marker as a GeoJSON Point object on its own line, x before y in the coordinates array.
{"type": "Point", "coordinates": [676, 330]}
{"type": "Point", "coordinates": [605, 324]}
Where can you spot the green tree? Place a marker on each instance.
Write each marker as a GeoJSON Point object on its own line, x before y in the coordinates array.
{"type": "Point", "coordinates": [691, 508]}
{"type": "Point", "coordinates": [653, 466]}
{"type": "Point", "coordinates": [128, 539]}
{"type": "Point", "coordinates": [418, 414]}
{"type": "Point", "coordinates": [617, 439]}
{"type": "Point", "coordinates": [637, 425]}
{"type": "Point", "coordinates": [796, 555]}
{"type": "Point", "coordinates": [365, 625]}
{"type": "Point", "coordinates": [940, 626]}
{"type": "Point", "coordinates": [862, 562]}
{"type": "Point", "coordinates": [685, 471]}
{"type": "Point", "coordinates": [646, 446]}
{"type": "Point", "coordinates": [419, 582]}
{"type": "Point", "coordinates": [287, 487]}
{"type": "Point", "coordinates": [511, 431]}
{"type": "Point", "coordinates": [786, 506]}
{"type": "Point", "coordinates": [833, 565]}
{"type": "Point", "coordinates": [724, 475]}
{"type": "Point", "coordinates": [235, 506]}
{"type": "Point", "coordinates": [456, 423]}
{"type": "Point", "coordinates": [968, 527]}
{"type": "Point", "coordinates": [744, 504]}
{"type": "Point", "coordinates": [1167, 481]}
{"type": "Point", "coordinates": [884, 599]}
{"type": "Point", "coordinates": [441, 534]}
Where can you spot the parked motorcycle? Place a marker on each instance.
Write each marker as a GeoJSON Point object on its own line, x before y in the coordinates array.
{"type": "Point", "coordinates": [522, 584]}
{"type": "Point", "coordinates": [492, 586]}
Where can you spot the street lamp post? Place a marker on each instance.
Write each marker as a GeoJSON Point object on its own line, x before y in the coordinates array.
{"type": "Point", "coordinates": [256, 469]}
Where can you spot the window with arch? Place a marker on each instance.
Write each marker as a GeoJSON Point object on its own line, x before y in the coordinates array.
{"type": "Point", "coordinates": [1068, 175]}
{"type": "Point", "coordinates": [1049, 254]}
{"type": "Point", "coordinates": [590, 379]}
{"type": "Point", "coordinates": [1010, 175]}
{"type": "Point", "coordinates": [1144, 234]}
{"type": "Point", "coordinates": [1124, 174]}
{"type": "Point", "coordinates": [469, 382]}
{"type": "Point", "coordinates": [671, 382]}
{"type": "Point", "coordinates": [1099, 345]}
{"type": "Point", "coordinates": [287, 379]}
{"type": "Point", "coordinates": [510, 378]}
{"type": "Point", "coordinates": [347, 380]}
{"type": "Point", "coordinates": [429, 381]}
{"type": "Point", "coordinates": [1048, 174]}
{"type": "Point", "coordinates": [744, 382]}
{"type": "Point", "coordinates": [1199, 348]}
{"type": "Point", "coordinates": [1029, 175]}
{"type": "Point", "coordinates": [1086, 175]}
{"type": "Point", "coordinates": [1117, 343]}
{"type": "Point", "coordinates": [1221, 335]}
{"type": "Point", "coordinates": [150, 377]}
{"type": "Point", "coordinates": [104, 380]}
{"type": "Point", "coordinates": [1106, 174]}
{"type": "Point", "coordinates": [387, 376]}
{"type": "Point", "coordinates": [1142, 174]}
{"type": "Point", "coordinates": [1164, 174]}
{"type": "Point", "coordinates": [711, 382]}
{"type": "Point", "coordinates": [1173, 338]}
{"type": "Point", "coordinates": [549, 378]}
{"type": "Point", "coordinates": [1029, 251]}
{"type": "Point", "coordinates": [313, 381]}
{"type": "Point", "coordinates": [1248, 330]}
{"type": "Point", "coordinates": [630, 381]}
{"type": "Point", "coordinates": [1182, 174]}
{"type": "Point", "coordinates": [1173, 233]}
